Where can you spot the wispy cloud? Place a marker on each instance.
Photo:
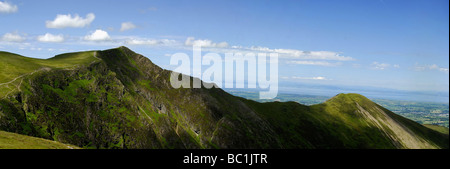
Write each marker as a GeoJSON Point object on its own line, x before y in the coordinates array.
{"type": "Point", "coordinates": [305, 78]}
{"type": "Point", "coordinates": [418, 67]}
{"type": "Point", "coordinates": [310, 78]}
{"type": "Point", "coordinates": [443, 70]}
{"type": "Point", "coordinates": [299, 54]}
{"type": "Point", "coordinates": [190, 41]}
{"type": "Point", "coordinates": [315, 63]}
{"type": "Point", "coordinates": [383, 66]}
{"type": "Point", "coordinates": [380, 66]}
{"type": "Point", "coordinates": [143, 42]}
{"type": "Point", "coordinates": [127, 26]}
{"type": "Point", "coordinates": [295, 56]}
{"type": "Point", "coordinates": [139, 41]}
{"type": "Point", "coordinates": [6, 7]}
{"type": "Point", "coordinates": [150, 9]}
{"type": "Point", "coordinates": [64, 21]}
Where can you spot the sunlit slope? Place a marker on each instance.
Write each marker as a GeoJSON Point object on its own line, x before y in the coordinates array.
{"type": "Point", "coordinates": [346, 121]}
{"type": "Point", "coordinates": [438, 128]}
{"type": "Point", "coordinates": [14, 67]}
{"type": "Point", "coordinates": [17, 141]}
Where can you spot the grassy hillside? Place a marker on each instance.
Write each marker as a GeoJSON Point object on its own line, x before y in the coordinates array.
{"type": "Point", "coordinates": [319, 126]}
{"type": "Point", "coordinates": [119, 99]}
{"type": "Point", "coordinates": [345, 121]}
{"type": "Point", "coordinates": [421, 112]}
{"type": "Point", "coordinates": [441, 129]}
{"type": "Point", "coordinates": [17, 141]}
{"type": "Point", "coordinates": [125, 101]}
{"type": "Point", "coordinates": [16, 67]}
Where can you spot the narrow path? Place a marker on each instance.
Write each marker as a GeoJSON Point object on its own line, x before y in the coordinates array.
{"type": "Point", "coordinates": [18, 86]}
{"type": "Point", "coordinates": [1, 84]}
{"type": "Point", "coordinates": [40, 69]}
{"type": "Point", "coordinates": [95, 55]}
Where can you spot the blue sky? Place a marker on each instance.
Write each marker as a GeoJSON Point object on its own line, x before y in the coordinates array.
{"type": "Point", "coordinates": [392, 44]}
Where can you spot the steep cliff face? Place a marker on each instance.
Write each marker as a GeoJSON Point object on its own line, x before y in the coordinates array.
{"type": "Point", "coordinates": [119, 99]}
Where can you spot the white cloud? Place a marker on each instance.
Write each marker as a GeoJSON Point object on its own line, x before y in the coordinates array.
{"type": "Point", "coordinates": [127, 26]}
{"type": "Point", "coordinates": [64, 21]}
{"type": "Point", "coordinates": [190, 41]}
{"type": "Point", "coordinates": [309, 78]}
{"type": "Point", "coordinates": [433, 67]}
{"type": "Point", "coordinates": [298, 54]}
{"type": "Point", "coordinates": [224, 47]}
{"type": "Point", "coordinates": [50, 38]}
{"type": "Point", "coordinates": [143, 42]}
{"type": "Point", "coordinates": [6, 7]}
{"type": "Point", "coordinates": [315, 63]}
{"type": "Point", "coordinates": [150, 42]}
{"type": "Point", "coordinates": [323, 55]}
{"type": "Point", "coordinates": [380, 66]}
{"type": "Point", "coordinates": [396, 66]}
{"type": "Point", "coordinates": [38, 49]}
{"type": "Point", "coordinates": [443, 70]}
{"type": "Point", "coordinates": [304, 78]}
{"type": "Point", "coordinates": [98, 35]}
{"type": "Point", "coordinates": [430, 67]}
{"type": "Point", "coordinates": [12, 37]}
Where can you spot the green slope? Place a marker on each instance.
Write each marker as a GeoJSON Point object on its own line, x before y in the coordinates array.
{"type": "Point", "coordinates": [346, 121]}
{"type": "Point", "coordinates": [17, 141]}
{"type": "Point", "coordinates": [125, 101]}
{"type": "Point", "coordinates": [441, 129]}
{"type": "Point", "coordinates": [15, 67]}
{"type": "Point", "coordinates": [119, 99]}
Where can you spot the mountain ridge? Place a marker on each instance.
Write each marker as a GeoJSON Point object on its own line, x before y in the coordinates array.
{"type": "Point", "coordinates": [116, 98]}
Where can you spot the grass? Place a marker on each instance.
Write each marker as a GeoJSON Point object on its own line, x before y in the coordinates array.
{"type": "Point", "coordinates": [70, 59]}
{"type": "Point", "coordinates": [437, 128]}
{"type": "Point", "coordinates": [333, 124]}
{"type": "Point", "coordinates": [17, 141]}
{"type": "Point", "coordinates": [13, 67]}
{"type": "Point", "coordinates": [122, 108]}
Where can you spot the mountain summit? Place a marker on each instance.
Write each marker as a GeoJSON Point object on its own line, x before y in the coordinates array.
{"type": "Point", "coordinates": [117, 98]}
